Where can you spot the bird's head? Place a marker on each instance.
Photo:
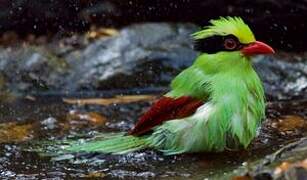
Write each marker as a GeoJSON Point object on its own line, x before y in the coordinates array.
{"type": "Point", "coordinates": [227, 35]}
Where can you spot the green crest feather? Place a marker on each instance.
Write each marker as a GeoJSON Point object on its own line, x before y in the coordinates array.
{"type": "Point", "coordinates": [226, 26]}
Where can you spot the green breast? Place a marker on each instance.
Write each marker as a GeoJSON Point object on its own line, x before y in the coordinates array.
{"type": "Point", "coordinates": [228, 81]}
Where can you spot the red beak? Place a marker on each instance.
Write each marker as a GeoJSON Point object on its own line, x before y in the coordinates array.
{"type": "Point", "coordinates": [256, 48]}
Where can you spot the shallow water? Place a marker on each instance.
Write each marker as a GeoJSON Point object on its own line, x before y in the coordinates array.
{"type": "Point", "coordinates": [25, 120]}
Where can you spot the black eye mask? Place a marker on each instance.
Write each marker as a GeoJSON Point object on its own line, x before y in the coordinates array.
{"type": "Point", "coordinates": [215, 44]}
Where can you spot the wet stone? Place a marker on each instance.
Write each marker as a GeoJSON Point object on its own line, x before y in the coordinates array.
{"type": "Point", "coordinates": [49, 123]}
{"type": "Point", "coordinates": [283, 77]}
{"type": "Point", "coordinates": [294, 173]}
{"type": "Point", "coordinates": [140, 55]}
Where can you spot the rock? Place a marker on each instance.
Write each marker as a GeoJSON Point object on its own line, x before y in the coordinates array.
{"type": "Point", "coordinates": [283, 79]}
{"type": "Point", "coordinates": [30, 68]}
{"type": "Point", "coordinates": [140, 56]}
{"type": "Point", "coordinates": [289, 162]}
{"type": "Point", "coordinates": [294, 173]}
{"type": "Point", "coordinates": [49, 123]}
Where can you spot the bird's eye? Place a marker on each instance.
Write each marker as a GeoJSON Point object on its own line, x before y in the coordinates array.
{"type": "Point", "coordinates": [230, 44]}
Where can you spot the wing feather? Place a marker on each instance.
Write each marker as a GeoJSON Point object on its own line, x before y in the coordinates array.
{"type": "Point", "coordinates": [166, 108]}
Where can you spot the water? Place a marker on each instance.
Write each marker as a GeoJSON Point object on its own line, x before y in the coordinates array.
{"type": "Point", "coordinates": [25, 120]}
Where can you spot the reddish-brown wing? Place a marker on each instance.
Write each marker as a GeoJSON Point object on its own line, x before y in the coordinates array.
{"type": "Point", "coordinates": [165, 109]}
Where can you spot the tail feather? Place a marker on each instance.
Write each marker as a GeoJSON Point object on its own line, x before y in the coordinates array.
{"type": "Point", "coordinates": [115, 145]}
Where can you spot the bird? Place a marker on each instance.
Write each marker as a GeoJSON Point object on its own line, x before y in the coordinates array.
{"type": "Point", "coordinates": [216, 104]}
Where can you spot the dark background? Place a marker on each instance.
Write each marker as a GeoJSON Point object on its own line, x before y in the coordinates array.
{"type": "Point", "coordinates": [281, 23]}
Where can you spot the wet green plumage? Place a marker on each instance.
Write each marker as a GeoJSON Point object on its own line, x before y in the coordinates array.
{"type": "Point", "coordinates": [228, 82]}
{"type": "Point", "coordinates": [233, 103]}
